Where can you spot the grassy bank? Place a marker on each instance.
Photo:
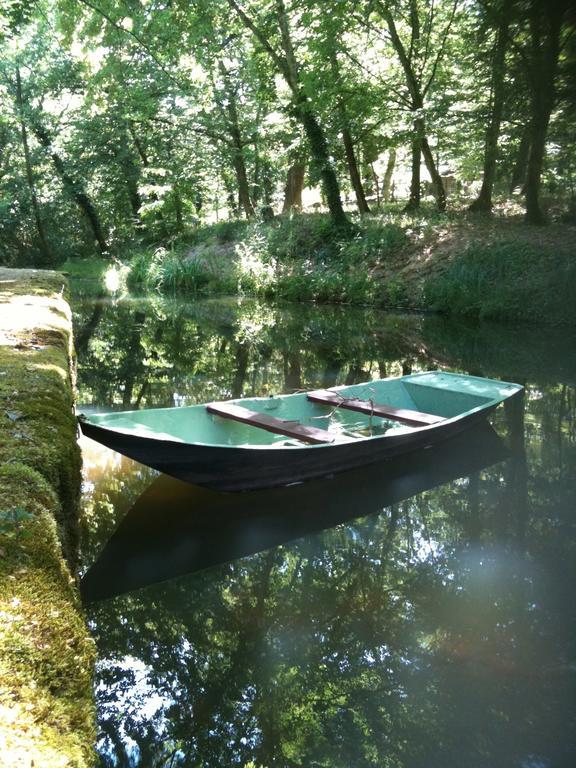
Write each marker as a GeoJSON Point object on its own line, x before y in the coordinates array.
{"type": "Point", "coordinates": [493, 267]}
{"type": "Point", "coordinates": [302, 258]}
{"type": "Point", "coordinates": [46, 654]}
{"type": "Point", "coordinates": [508, 281]}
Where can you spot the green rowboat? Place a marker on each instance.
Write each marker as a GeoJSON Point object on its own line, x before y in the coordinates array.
{"type": "Point", "coordinates": [269, 441]}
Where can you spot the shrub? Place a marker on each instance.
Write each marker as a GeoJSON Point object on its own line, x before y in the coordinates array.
{"type": "Point", "coordinates": [301, 258]}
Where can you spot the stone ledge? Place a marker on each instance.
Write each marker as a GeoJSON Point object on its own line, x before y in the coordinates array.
{"type": "Point", "coordinates": [46, 653]}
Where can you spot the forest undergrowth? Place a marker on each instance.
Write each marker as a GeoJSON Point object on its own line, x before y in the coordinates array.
{"type": "Point", "coordinates": [490, 268]}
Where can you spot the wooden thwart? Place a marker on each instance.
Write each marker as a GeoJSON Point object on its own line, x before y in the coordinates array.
{"type": "Point", "coordinates": [270, 423]}
{"type": "Point", "coordinates": [403, 415]}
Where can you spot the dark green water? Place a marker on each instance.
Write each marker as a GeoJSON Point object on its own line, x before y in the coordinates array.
{"type": "Point", "coordinates": [419, 613]}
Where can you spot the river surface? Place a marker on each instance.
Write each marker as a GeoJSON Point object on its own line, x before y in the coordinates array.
{"type": "Point", "coordinates": [419, 613]}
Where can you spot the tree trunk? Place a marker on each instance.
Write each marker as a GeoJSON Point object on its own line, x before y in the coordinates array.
{"type": "Point", "coordinates": [545, 28]}
{"type": "Point", "coordinates": [518, 179]}
{"type": "Point", "coordinates": [293, 188]}
{"type": "Point", "coordinates": [354, 172]}
{"type": "Point", "coordinates": [349, 151]}
{"type": "Point", "coordinates": [414, 200]}
{"type": "Point", "coordinates": [416, 90]}
{"type": "Point", "coordinates": [437, 183]}
{"type": "Point", "coordinates": [287, 66]}
{"type": "Point", "coordinates": [231, 110]}
{"type": "Point", "coordinates": [42, 239]}
{"type": "Point", "coordinates": [244, 201]}
{"type": "Point", "coordinates": [131, 172]}
{"type": "Point", "coordinates": [74, 189]}
{"type": "Point", "coordinates": [178, 208]}
{"type": "Point", "coordinates": [322, 164]}
{"type": "Point", "coordinates": [387, 181]}
{"type": "Point", "coordinates": [376, 182]}
{"type": "Point", "coordinates": [483, 203]}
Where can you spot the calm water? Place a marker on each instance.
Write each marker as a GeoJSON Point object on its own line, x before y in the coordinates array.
{"type": "Point", "coordinates": [419, 613]}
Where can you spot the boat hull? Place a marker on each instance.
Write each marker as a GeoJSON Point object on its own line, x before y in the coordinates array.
{"type": "Point", "coordinates": [231, 468]}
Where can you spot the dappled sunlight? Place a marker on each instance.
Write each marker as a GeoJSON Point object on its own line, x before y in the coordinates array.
{"type": "Point", "coordinates": [115, 279]}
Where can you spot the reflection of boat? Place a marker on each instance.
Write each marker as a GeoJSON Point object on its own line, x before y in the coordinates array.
{"type": "Point", "coordinates": [175, 528]}
{"type": "Point", "coordinates": [263, 442]}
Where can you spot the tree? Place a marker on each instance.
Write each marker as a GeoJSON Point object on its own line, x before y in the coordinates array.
{"type": "Point", "coordinates": [420, 61]}
{"type": "Point", "coordinates": [43, 240]}
{"type": "Point", "coordinates": [546, 21]}
{"type": "Point", "coordinates": [302, 102]}
{"type": "Point", "coordinates": [501, 16]}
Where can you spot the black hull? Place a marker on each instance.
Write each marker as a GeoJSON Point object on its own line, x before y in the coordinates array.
{"type": "Point", "coordinates": [226, 468]}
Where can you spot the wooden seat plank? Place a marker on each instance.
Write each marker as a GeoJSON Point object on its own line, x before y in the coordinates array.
{"type": "Point", "coordinates": [294, 429]}
{"type": "Point", "coordinates": [403, 415]}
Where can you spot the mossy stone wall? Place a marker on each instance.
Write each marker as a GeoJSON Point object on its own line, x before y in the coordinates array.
{"type": "Point", "coordinates": [46, 653]}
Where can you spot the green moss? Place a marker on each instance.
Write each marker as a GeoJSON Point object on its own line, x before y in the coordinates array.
{"type": "Point", "coordinates": [37, 425]}
{"type": "Point", "coordinates": [46, 654]}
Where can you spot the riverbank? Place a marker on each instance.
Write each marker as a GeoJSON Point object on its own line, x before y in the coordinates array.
{"type": "Point", "coordinates": [485, 267]}
{"type": "Point", "coordinates": [46, 653]}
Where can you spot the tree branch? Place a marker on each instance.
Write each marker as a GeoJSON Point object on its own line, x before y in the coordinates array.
{"type": "Point", "coordinates": [441, 48]}
{"type": "Point", "coordinates": [261, 37]}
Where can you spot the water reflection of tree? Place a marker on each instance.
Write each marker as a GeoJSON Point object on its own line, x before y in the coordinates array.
{"type": "Point", "coordinates": [149, 351]}
{"type": "Point", "coordinates": [396, 640]}
{"type": "Point", "coordinates": [438, 633]}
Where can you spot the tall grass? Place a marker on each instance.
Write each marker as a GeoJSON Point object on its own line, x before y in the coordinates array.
{"type": "Point", "coordinates": [302, 258]}
{"type": "Point", "coordinates": [508, 281]}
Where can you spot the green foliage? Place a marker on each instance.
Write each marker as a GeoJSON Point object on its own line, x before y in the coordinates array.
{"type": "Point", "coordinates": [123, 157]}
{"type": "Point", "coordinates": [375, 242]}
{"type": "Point", "coordinates": [222, 232]}
{"type": "Point", "coordinates": [303, 237]}
{"type": "Point", "coordinates": [301, 258]}
{"type": "Point", "coordinates": [507, 281]}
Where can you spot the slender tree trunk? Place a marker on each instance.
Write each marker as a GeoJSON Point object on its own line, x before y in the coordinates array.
{"type": "Point", "coordinates": [545, 29]}
{"type": "Point", "coordinates": [131, 172]}
{"type": "Point", "coordinates": [416, 89]}
{"type": "Point", "coordinates": [74, 189]}
{"type": "Point", "coordinates": [414, 200]}
{"type": "Point", "coordinates": [230, 108]}
{"type": "Point", "coordinates": [354, 172]}
{"type": "Point", "coordinates": [319, 151]}
{"type": "Point", "coordinates": [518, 178]}
{"type": "Point", "coordinates": [376, 182]}
{"type": "Point", "coordinates": [134, 198]}
{"type": "Point", "coordinates": [437, 183]}
{"type": "Point", "coordinates": [293, 188]}
{"type": "Point", "coordinates": [178, 208]}
{"type": "Point", "coordinates": [42, 239]}
{"type": "Point", "coordinates": [348, 142]}
{"type": "Point", "coordinates": [388, 173]}
{"type": "Point", "coordinates": [483, 203]}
